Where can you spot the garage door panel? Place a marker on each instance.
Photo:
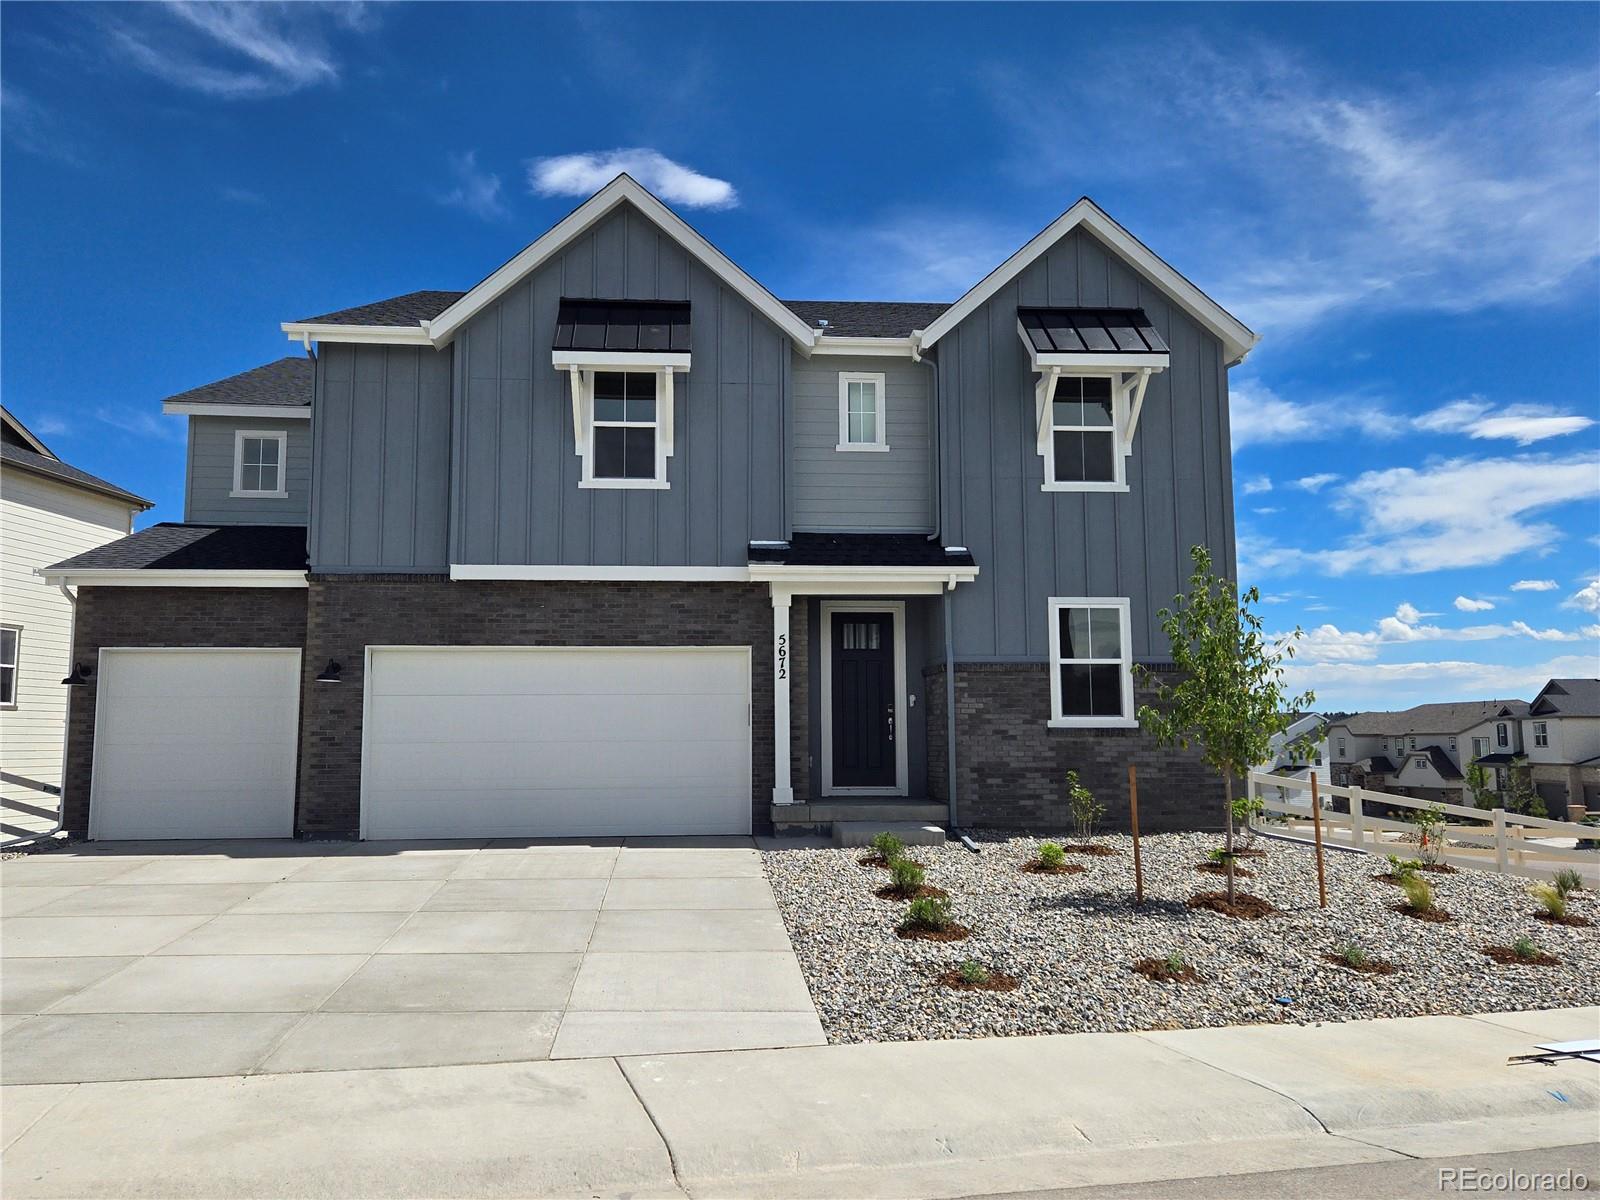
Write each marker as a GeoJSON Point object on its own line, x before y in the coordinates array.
{"type": "Point", "coordinates": [188, 675]}
{"type": "Point", "coordinates": [149, 720]}
{"type": "Point", "coordinates": [513, 741]}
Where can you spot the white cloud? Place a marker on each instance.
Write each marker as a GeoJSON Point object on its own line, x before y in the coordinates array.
{"type": "Point", "coordinates": [239, 195]}
{"type": "Point", "coordinates": [1315, 483]}
{"type": "Point", "coordinates": [1254, 487]}
{"type": "Point", "coordinates": [1265, 510]}
{"type": "Point", "coordinates": [1591, 631]}
{"type": "Point", "coordinates": [1534, 585]}
{"type": "Point", "coordinates": [48, 426]}
{"type": "Point", "coordinates": [233, 51]}
{"type": "Point", "coordinates": [1410, 614]}
{"type": "Point", "coordinates": [30, 126]}
{"type": "Point", "coordinates": [476, 191]}
{"type": "Point", "coordinates": [1587, 599]}
{"type": "Point", "coordinates": [1521, 423]}
{"type": "Point", "coordinates": [1258, 415]}
{"type": "Point", "coordinates": [1545, 635]}
{"type": "Point", "coordinates": [140, 423]}
{"type": "Point", "coordinates": [1360, 685]}
{"type": "Point", "coordinates": [585, 174]}
{"type": "Point", "coordinates": [1466, 604]}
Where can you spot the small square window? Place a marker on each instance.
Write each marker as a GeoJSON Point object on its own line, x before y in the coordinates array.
{"type": "Point", "coordinates": [862, 415]}
{"type": "Point", "coordinates": [258, 464]}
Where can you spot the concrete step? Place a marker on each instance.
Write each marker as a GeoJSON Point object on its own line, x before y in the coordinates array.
{"type": "Point", "coordinates": [822, 812]}
{"type": "Point", "coordinates": [912, 833]}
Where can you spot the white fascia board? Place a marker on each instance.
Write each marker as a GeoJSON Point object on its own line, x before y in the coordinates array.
{"type": "Point", "coordinates": [377, 335]}
{"type": "Point", "coordinates": [1236, 337]}
{"type": "Point", "coordinates": [267, 412]}
{"type": "Point", "coordinates": [1098, 362]}
{"type": "Point", "coordinates": [623, 188]}
{"type": "Point", "coordinates": [861, 581]}
{"type": "Point", "coordinates": [867, 347]}
{"type": "Point", "coordinates": [618, 358]}
{"type": "Point", "coordinates": [610, 574]}
{"type": "Point", "coordinates": [190, 579]}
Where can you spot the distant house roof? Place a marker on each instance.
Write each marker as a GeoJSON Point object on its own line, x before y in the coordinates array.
{"type": "Point", "coordinates": [1376, 765]}
{"type": "Point", "coordinates": [287, 382]}
{"type": "Point", "coordinates": [1437, 759]}
{"type": "Point", "coordinates": [15, 457]}
{"type": "Point", "coordinates": [866, 318]}
{"type": "Point", "coordinates": [1432, 718]}
{"type": "Point", "coordinates": [1567, 698]}
{"type": "Point", "coordinates": [859, 550]}
{"type": "Point", "coordinates": [172, 546]}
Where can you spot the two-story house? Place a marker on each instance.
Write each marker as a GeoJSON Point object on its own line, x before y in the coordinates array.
{"type": "Point", "coordinates": [1424, 751]}
{"type": "Point", "coordinates": [617, 542]}
{"type": "Point", "coordinates": [1561, 741]}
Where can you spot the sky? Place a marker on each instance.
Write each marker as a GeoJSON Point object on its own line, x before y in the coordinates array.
{"type": "Point", "coordinates": [1404, 201]}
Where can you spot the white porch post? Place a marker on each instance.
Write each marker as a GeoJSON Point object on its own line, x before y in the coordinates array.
{"type": "Point", "coordinates": [782, 789]}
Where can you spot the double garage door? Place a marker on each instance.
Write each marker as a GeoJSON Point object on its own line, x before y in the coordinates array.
{"type": "Point", "coordinates": [458, 742]}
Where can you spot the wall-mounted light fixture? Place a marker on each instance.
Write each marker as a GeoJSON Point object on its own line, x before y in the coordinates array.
{"type": "Point", "coordinates": [331, 673]}
{"type": "Point", "coordinates": [79, 677]}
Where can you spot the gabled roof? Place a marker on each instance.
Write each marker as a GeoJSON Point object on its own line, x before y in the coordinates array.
{"type": "Point", "coordinates": [1567, 698]}
{"type": "Point", "coordinates": [866, 318]}
{"type": "Point", "coordinates": [1437, 759]}
{"type": "Point", "coordinates": [1432, 718]}
{"type": "Point", "coordinates": [1236, 337]}
{"type": "Point", "coordinates": [288, 381]}
{"type": "Point", "coordinates": [14, 432]}
{"type": "Point", "coordinates": [411, 309]}
{"type": "Point", "coordinates": [21, 450]}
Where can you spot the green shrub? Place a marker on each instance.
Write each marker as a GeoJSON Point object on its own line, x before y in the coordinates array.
{"type": "Point", "coordinates": [1419, 895]}
{"type": "Point", "coordinates": [888, 846]}
{"type": "Point", "coordinates": [1086, 810]}
{"type": "Point", "coordinates": [1220, 856]}
{"type": "Point", "coordinates": [1553, 900]}
{"type": "Point", "coordinates": [905, 876]}
{"type": "Point", "coordinates": [1175, 962]}
{"type": "Point", "coordinates": [1430, 832]}
{"type": "Point", "coordinates": [972, 971]}
{"type": "Point", "coordinates": [1525, 947]}
{"type": "Point", "coordinates": [1051, 855]}
{"type": "Point", "coordinates": [1568, 881]}
{"type": "Point", "coordinates": [928, 912]}
{"type": "Point", "coordinates": [1352, 955]}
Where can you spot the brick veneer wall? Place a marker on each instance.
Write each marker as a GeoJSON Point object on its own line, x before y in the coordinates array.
{"type": "Point", "coordinates": [347, 613]}
{"type": "Point", "coordinates": [130, 616]}
{"type": "Point", "coordinates": [1011, 767]}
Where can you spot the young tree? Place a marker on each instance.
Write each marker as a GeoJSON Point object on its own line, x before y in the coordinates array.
{"type": "Point", "coordinates": [1231, 698]}
{"type": "Point", "coordinates": [1478, 784]}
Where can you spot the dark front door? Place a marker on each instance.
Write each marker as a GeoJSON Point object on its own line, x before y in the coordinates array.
{"type": "Point", "coordinates": [863, 700]}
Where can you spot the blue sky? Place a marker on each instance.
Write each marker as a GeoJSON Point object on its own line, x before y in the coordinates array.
{"type": "Point", "coordinates": [1402, 199]}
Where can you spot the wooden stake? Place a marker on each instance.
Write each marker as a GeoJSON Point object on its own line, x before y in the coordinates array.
{"type": "Point", "coordinates": [1316, 828]}
{"type": "Point", "coordinates": [1133, 818]}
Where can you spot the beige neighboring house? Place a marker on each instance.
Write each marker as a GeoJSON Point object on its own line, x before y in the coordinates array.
{"type": "Point", "coordinates": [1561, 740]}
{"type": "Point", "coordinates": [1424, 751]}
{"type": "Point", "coordinates": [48, 511]}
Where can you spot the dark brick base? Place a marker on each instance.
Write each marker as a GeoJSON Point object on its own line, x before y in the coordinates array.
{"type": "Point", "coordinates": [1011, 767]}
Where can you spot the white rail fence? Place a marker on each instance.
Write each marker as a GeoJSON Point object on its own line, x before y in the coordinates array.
{"type": "Point", "coordinates": [1488, 839]}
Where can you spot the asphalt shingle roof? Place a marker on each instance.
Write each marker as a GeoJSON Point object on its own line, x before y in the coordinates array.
{"type": "Point", "coordinates": [866, 318]}
{"type": "Point", "coordinates": [287, 381]}
{"type": "Point", "coordinates": [1569, 698]}
{"type": "Point", "coordinates": [172, 546]}
{"type": "Point", "coordinates": [859, 550]}
{"type": "Point", "coordinates": [23, 459]}
{"type": "Point", "coordinates": [1431, 718]}
{"type": "Point", "coordinates": [408, 310]}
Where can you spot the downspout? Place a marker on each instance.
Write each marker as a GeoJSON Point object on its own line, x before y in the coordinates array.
{"type": "Point", "coordinates": [66, 730]}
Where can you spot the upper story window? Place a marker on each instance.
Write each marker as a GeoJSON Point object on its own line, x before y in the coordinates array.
{"type": "Point", "coordinates": [258, 464]}
{"type": "Point", "coordinates": [1091, 663]}
{"type": "Point", "coordinates": [863, 419]}
{"type": "Point", "coordinates": [10, 654]}
{"type": "Point", "coordinates": [1541, 734]}
{"type": "Point", "coordinates": [1502, 734]}
{"type": "Point", "coordinates": [624, 435]}
{"type": "Point", "coordinates": [1411, 743]}
{"type": "Point", "coordinates": [1341, 747]}
{"type": "Point", "coordinates": [1480, 747]}
{"type": "Point", "coordinates": [1082, 451]}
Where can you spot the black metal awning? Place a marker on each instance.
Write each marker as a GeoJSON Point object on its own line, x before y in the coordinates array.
{"type": "Point", "coordinates": [858, 550]}
{"type": "Point", "coordinates": [623, 326]}
{"type": "Point", "coordinates": [1090, 331]}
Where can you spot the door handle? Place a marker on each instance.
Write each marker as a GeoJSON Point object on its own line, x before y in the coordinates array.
{"type": "Point", "coordinates": [891, 722]}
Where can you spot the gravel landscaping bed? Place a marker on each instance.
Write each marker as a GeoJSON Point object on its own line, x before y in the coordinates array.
{"type": "Point", "coordinates": [1071, 942]}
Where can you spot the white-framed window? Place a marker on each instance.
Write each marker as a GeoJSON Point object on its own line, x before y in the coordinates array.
{"type": "Point", "coordinates": [1452, 743]}
{"type": "Point", "coordinates": [1411, 743]}
{"type": "Point", "coordinates": [1541, 734]}
{"type": "Point", "coordinates": [1082, 446]}
{"type": "Point", "coordinates": [1480, 748]}
{"type": "Point", "coordinates": [1091, 663]}
{"type": "Point", "coordinates": [10, 656]}
{"type": "Point", "coordinates": [258, 464]}
{"type": "Point", "coordinates": [1502, 734]}
{"type": "Point", "coordinates": [622, 422]}
{"type": "Point", "coordinates": [1341, 747]}
{"type": "Point", "coordinates": [1420, 761]}
{"type": "Point", "coordinates": [863, 412]}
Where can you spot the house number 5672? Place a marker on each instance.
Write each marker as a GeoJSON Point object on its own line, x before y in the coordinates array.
{"type": "Point", "coordinates": [783, 656]}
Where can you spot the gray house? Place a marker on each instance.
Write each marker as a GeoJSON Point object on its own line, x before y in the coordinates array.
{"type": "Point", "coordinates": [616, 542]}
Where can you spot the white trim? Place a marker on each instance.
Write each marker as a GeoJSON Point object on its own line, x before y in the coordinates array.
{"type": "Point", "coordinates": [265, 412]}
{"type": "Point", "coordinates": [579, 574]}
{"type": "Point", "coordinates": [16, 668]}
{"type": "Point", "coordinates": [379, 335]}
{"type": "Point", "coordinates": [608, 359]}
{"type": "Point", "coordinates": [1047, 442]}
{"type": "Point", "coordinates": [623, 188]}
{"type": "Point", "coordinates": [135, 577]}
{"type": "Point", "coordinates": [581, 379]}
{"type": "Point", "coordinates": [1053, 606]}
{"type": "Point", "coordinates": [281, 492]}
{"type": "Point", "coordinates": [782, 671]}
{"type": "Point", "coordinates": [880, 408]}
{"type": "Point", "coordinates": [897, 609]}
{"type": "Point", "coordinates": [1236, 337]}
{"type": "Point", "coordinates": [865, 347]}
{"type": "Point", "coordinates": [366, 696]}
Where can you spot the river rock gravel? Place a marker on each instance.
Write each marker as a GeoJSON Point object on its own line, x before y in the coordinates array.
{"type": "Point", "coordinates": [1072, 940]}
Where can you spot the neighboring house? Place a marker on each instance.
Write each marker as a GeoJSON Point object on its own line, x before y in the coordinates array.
{"type": "Point", "coordinates": [1300, 751]}
{"type": "Point", "coordinates": [1561, 740]}
{"type": "Point", "coordinates": [48, 510]}
{"type": "Point", "coordinates": [616, 542]}
{"type": "Point", "coordinates": [1424, 751]}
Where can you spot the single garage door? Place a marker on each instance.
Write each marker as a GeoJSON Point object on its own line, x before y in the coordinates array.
{"type": "Point", "coordinates": [523, 741]}
{"type": "Point", "coordinates": [195, 744]}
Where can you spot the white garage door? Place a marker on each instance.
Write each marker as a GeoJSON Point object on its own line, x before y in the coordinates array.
{"type": "Point", "coordinates": [195, 744]}
{"type": "Point", "coordinates": [554, 742]}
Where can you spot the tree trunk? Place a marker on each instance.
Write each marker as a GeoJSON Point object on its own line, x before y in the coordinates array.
{"type": "Point", "coordinates": [1228, 845]}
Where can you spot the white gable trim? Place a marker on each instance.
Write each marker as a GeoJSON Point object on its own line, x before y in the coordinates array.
{"type": "Point", "coordinates": [1237, 338]}
{"type": "Point", "coordinates": [266, 412]}
{"type": "Point", "coordinates": [445, 326]}
{"type": "Point", "coordinates": [373, 335]}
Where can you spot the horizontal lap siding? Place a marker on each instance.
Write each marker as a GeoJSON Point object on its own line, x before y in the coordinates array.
{"type": "Point", "coordinates": [210, 484]}
{"type": "Point", "coordinates": [861, 490]}
{"type": "Point", "coordinates": [1033, 544]}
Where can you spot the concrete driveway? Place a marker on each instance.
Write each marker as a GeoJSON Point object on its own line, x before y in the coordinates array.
{"type": "Point", "coordinates": [163, 960]}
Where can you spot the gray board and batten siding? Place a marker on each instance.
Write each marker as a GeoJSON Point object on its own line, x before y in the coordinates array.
{"type": "Point", "coordinates": [1034, 544]}
{"type": "Point", "coordinates": [208, 497]}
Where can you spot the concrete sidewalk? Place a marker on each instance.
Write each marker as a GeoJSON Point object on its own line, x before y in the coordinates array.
{"type": "Point", "coordinates": [906, 1119]}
